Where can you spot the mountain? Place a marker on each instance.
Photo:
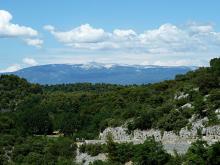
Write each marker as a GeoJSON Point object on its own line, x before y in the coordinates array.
{"type": "Point", "coordinates": [99, 73]}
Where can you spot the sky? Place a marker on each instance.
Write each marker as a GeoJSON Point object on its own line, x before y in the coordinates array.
{"type": "Point", "coordinates": [144, 32]}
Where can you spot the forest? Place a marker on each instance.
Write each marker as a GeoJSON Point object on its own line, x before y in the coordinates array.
{"type": "Point", "coordinates": [29, 113]}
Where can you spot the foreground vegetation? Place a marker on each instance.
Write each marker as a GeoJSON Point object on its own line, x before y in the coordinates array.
{"type": "Point", "coordinates": [151, 152]}
{"type": "Point", "coordinates": [29, 112]}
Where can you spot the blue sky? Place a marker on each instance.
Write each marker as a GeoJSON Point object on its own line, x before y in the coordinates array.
{"type": "Point", "coordinates": [158, 32]}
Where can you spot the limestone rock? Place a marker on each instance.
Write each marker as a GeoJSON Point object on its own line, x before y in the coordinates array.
{"type": "Point", "coordinates": [181, 95]}
{"type": "Point", "coordinates": [86, 159]}
{"type": "Point", "coordinates": [142, 135]}
{"type": "Point", "coordinates": [117, 133]}
{"type": "Point", "coordinates": [187, 105]}
{"type": "Point", "coordinates": [129, 163]}
{"type": "Point", "coordinates": [217, 111]}
{"type": "Point", "coordinates": [170, 140]}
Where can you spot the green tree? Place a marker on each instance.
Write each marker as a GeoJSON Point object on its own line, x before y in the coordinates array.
{"type": "Point", "coordinates": [215, 66]}
{"type": "Point", "coordinates": [150, 152]}
{"type": "Point", "coordinates": [36, 121]}
{"type": "Point", "coordinates": [33, 159]}
{"type": "Point", "coordinates": [197, 153]}
{"type": "Point", "coordinates": [62, 147]}
{"type": "Point", "coordinates": [172, 121]}
{"type": "Point", "coordinates": [70, 124]}
{"type": "Point", "coordinates": [200, 106]}
{"type": "Point", "coordinates": [214, 154]}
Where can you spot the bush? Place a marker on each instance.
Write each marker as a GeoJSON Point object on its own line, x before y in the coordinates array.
{"type": "Point", "coordinates": [150, 152]}
{"type": "Point", "coordinates": [172, 121]}
{"type": "Point", "coordinates": [197, 153]}
{"type": "Point", "coordinates": [214, 154]}
{"type": "Point", "coordinates": [39, 150]}
{"type": "Point", "coordinates": [144, 121]}
{"type": "Point", "coordinates": [93, 149]}
{"type": "Point", "coordinates": [36, 121]}
{"type": "Point", "coordinates": [63, 147]}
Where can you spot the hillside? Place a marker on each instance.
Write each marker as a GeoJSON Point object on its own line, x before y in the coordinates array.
{"type": "Point", "coordinates": [100, 73]}
{"type": "Point", "coordinates": [82, 111]}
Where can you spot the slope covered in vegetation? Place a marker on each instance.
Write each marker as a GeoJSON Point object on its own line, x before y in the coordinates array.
{"type": "Point", "coordinates": [83, 110]}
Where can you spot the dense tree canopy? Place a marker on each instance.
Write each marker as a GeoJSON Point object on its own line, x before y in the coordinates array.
{"type": "Point", "coordinates": [83, 110]}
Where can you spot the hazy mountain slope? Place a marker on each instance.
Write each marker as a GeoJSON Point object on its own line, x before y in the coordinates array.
{"type": "Point", "coordinates": [99, 73]}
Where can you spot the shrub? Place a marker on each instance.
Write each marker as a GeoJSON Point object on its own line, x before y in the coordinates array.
{"type": "Point", "coordinates": [92, 149]}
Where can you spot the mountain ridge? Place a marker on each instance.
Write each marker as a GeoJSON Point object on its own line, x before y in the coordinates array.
{"type": "Point", "coordinates": [100, 73]}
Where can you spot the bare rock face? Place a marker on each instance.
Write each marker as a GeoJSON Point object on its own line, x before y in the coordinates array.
{"type": "Point", "coordinates": [86, 159]}
{"type": "Point", "coordinates": [187, 105]}
{"type": "Point", "coordinates": [142, 135]}
{"type": "Point", "coordinates": [171, 141]}
{"type": "Point", "coordinates": [217, 111]}
{"type": "Point", "coordinates": [170, 137]}
{"type": "Point", "coordinates": [117, 133]}
{"type": "Point", "coordinates": [214, 130]}
{"type": "Point", "coordinates": [196, 125]}
{"type": "Point", "coordinates": [129, 163]}
{"type": "Point", "coordinates": [181, 95]}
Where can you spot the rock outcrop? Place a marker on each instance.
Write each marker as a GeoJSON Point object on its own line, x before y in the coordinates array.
{"type": "Point", "coordinates": [171, 141]}
{"type": "Point", "coordinates": [181, 95]}
{"type": "Point", "coordinates": [86, 159]}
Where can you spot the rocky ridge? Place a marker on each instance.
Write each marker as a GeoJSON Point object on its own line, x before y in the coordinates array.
{"type": "Point", "coordinates": [171, 141]}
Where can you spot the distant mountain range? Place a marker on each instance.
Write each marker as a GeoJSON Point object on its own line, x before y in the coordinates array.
{"type": "Point", "coordinates": [100, 73]}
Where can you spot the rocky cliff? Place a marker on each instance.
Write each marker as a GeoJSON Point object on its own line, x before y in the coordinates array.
{"type": "Point", "coordinates": [172, 141]}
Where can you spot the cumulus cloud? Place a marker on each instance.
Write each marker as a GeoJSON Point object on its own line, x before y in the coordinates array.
{"type": "Point", "coordinates": [34, 42]}
{"type": "Point", "coordinates": [11, 68]}
{"type": "Point", "coordinates": [169, 62]}
{"type": "Point", "coordinates": [200, 28]}
{"type": "Point", "coordinates": [10, 30]}
{"type": "Point", "coordinates": [82, 34]}
{"type": "Point", "coordinates": [168, 38]}
{"type": "Point", "coordinates": [124, 34]}
{"type": "Point", "coordinates": [49, 28]}
{"type": "Point", "coordinates": [15, 67]}
{"type": "Point", "coordinates": [29, 61]}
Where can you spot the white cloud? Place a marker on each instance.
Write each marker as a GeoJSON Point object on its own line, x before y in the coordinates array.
{"type": "Point", "coordinates": [165, 33]}
{"type": "Point", "coordinates": [82, 34]}
{"type": "Point", "coordinates": [173, 62]}
{"type": "Point", "coordinates": [167, 38]}
{"type": "Point", "coordinates": [12, 68]}
{"type": "Point", "coordinates": [8, 29]}
{"type": "Point", "coordinates": [29, 61]}
{"type": "Point", "coordinates": [127, 34]}
{"type": "Point", "coordinates": [189, 44]}
{"type": "Point", "coordinates": [16, 67]}
{"type": "Point", "coordinates": [34, 42]}
{"type": "Point", "coordinates": [200, 28]}
{"type": "Point", "coordinates": [49, 27]}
